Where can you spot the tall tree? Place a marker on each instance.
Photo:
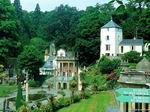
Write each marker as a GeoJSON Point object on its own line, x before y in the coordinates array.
{"type": "Point", "coordinates": [60, 25]}
{"type": "Point", "coordinates": [31, 60]}
{"type": "Point", "coordinates": [8, 32]}
{"type": "Point", "coordinates": [37, 16]}
{"type": "Point", "coordinates": [19, 98]}
{"type": "Point", "coordinates": [18, 8]}
{"type": "Point", "coordinates": [88, 32]}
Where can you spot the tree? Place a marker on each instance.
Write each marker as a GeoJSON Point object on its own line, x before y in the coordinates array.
{"type": "Point", "coordinates": [36, 19]}
{"type": "Point", "coordinates": [8, 31]}
{"type": "Point", "coordinates": [132, 57]}
{"type": "Point", "coordinates": [73, 87]}
{"type": "Point", "coordinates": [18, 8]}
{"type": "Point", "coordinates": [60, 25]}
{"type": "Point", "coordinates": [39, 43]}
{"type": "Point", "coordinates": [19, 98]}
{"type": "Point", "coordinates": [106, 66]}
{"type": "Point", "coordinates": [31, 60]}
{"type": "Point", "coordinates": [87, 32]}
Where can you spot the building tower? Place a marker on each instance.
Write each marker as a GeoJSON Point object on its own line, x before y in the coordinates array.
{"type": "Point", "coordinates": [111, 36]}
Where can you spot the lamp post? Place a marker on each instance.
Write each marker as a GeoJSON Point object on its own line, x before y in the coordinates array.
{"type": "Point", "coordinates": [26, 85]}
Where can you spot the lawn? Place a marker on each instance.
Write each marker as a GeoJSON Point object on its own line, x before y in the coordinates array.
{"type": "Point", "coordinates": [6, 89]}
{"type": "Point", "coordinates": [97, 103]}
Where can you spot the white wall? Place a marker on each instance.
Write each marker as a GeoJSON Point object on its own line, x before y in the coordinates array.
{"type": "Point", "coordinates": [115, 37]}
{"type": "Point", "coordinates": [61, 53]}
{"type": "Point", "coordinates": [128, 48]}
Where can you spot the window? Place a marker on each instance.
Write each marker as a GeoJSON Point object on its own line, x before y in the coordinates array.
{"type": "Point", "coordinates": [107, 47]}
{"type": "Point", "coordinates": [121, 49]}
{"type": "Point", "coordinates": [107, 54]}
{"type": "Point", "coordinates": [107, 38]}
{"type": "Point", "coordinates": [132, 48]}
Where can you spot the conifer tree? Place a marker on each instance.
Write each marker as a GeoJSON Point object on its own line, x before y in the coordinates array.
{"type": "Point", "coordinates": [18, 8]}
{"type": "Point", "coordinates": [19, 98]}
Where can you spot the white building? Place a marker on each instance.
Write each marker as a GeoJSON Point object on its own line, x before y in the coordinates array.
{"type": "Point", "coordinates": [62, 67]}
{"type": "Point", "coordinates": [113, 44]}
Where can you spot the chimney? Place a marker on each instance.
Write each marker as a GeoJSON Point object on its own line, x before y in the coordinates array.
{"type": "Point", "coordinates": [46, 55]}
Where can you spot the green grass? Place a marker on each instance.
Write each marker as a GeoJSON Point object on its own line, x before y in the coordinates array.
{"type": "Point", "coordinates": [6, 89]}
{"type": "Point", "coordinates": [96, 103]}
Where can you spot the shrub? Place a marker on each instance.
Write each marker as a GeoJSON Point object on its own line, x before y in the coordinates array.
{"type": "Point", "coordinates": [64, 102]}
{"type": "Point", "coordinates": [132, 57]}
{"type": "Point", "coordinates": [85, 94]}
{"type": "Point", "coordinates": [76, 98]}
{"type": "Point", "coordinates": [46, 108]}
{"type": "Point", "coordinates": [33, 83]}
{"type": "Point", "coordinates": [107, 66]}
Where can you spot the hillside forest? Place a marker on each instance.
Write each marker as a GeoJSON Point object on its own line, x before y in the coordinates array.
{"type": "Point", "coordinates": [24, 35]}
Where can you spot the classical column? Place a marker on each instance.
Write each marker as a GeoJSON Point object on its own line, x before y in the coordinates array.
{"type": "Point", "coordinates": [129, 107]}
{"type": "Point", "coordinates": [133, 106]}
{"type": "Point", "coordinates": [73, 70]}
{"type": "Point", "coordinates": [68, 85]}
{"type": "Point", "coordinates": [143, 107]}
{"type": "Point", "coordinates": [68, 69]}
{"type": "Point", "coordinates": [149, 106]}
{"type": "Point", "coordinates": [121, 107]}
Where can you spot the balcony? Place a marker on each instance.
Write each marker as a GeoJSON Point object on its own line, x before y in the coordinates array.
{"type": "Point", "coordinates": [64, 78]}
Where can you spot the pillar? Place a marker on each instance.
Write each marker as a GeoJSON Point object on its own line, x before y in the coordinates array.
{"type": "Point", "coordinates": [121, 107]}
{"type": "Point", "coordinates": [68, 85]}
{"type": "Point", "coordinates": [133, 106]}
{"type": "Point", "coordinates": [73, 71]}
{"type": "Point", "coordinates": [68, 70]}
{"type": "Point", "coordinates": [143, 107]}
{"type": "Point", "coordinates": [129, 107]}
{"type": "Point", "coordinates": [149, 106]}
{"type": "Point", "coordinates": [61, 85]}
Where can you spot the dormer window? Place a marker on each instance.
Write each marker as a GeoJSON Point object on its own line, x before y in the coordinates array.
{"type": "Point", "coordinates": [107, 38]}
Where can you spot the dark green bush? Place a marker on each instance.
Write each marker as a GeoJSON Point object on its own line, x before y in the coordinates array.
{"type": "Point", "coordinates": [132, 57]}
{"type": "Point", "coordinates": [106, 65]}
{"type": "Point", "coordinates": [33, 83]}
{"type": "Point", "coordinates": [64, 102]}
{"type": "Point", "coordinates": [76, 98]}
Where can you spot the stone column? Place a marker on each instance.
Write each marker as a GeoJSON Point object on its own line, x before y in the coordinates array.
{"type": "Point", "coordinates": [129, 107]}
{"type": "Point", "coordinates": [68, 69]}
{"type": "Point", "coordinates": [149, 106]}
{"type": "Point", "coordinates": [133, 106]}
{"type": "Point", "coordinates": [68, 85]}
{"type": "Point", "coordinates": [143, 107]}
{"type": "Point", "coordinates": [121, 107]}
{"type": "Point", "coordinates": [73, 71]}
{"type": "Point", "coordinates": [61, 85]}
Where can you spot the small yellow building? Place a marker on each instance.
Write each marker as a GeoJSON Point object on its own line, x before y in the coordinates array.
{"type": "Point", "coordinates": [134, 96]}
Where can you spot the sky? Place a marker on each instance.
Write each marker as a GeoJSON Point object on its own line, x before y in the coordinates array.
{"type": "Point", "coordinates": [47, 5]}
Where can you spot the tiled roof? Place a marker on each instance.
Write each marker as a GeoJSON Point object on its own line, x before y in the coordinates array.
{"type": "Point", "coordinates": [111, 24]}
{"type": "Point", "coordinates": [49, 62]}
{"type": "Point", "coordinates": [132, 42]}
{"type": "Point", "coordinates": [143, 65]}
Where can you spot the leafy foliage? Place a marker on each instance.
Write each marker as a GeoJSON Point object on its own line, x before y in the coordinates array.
{"type": "Point", "coordinates": [8, 39]}
{"type": "Point", "coordinates": [30, 59]}
{"type": "Point", "coordinates": [132, 57]}
{"type": "Point", "coordinates": [19, 98]}
{"type": "Point", "coordinates": [107, 66]}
